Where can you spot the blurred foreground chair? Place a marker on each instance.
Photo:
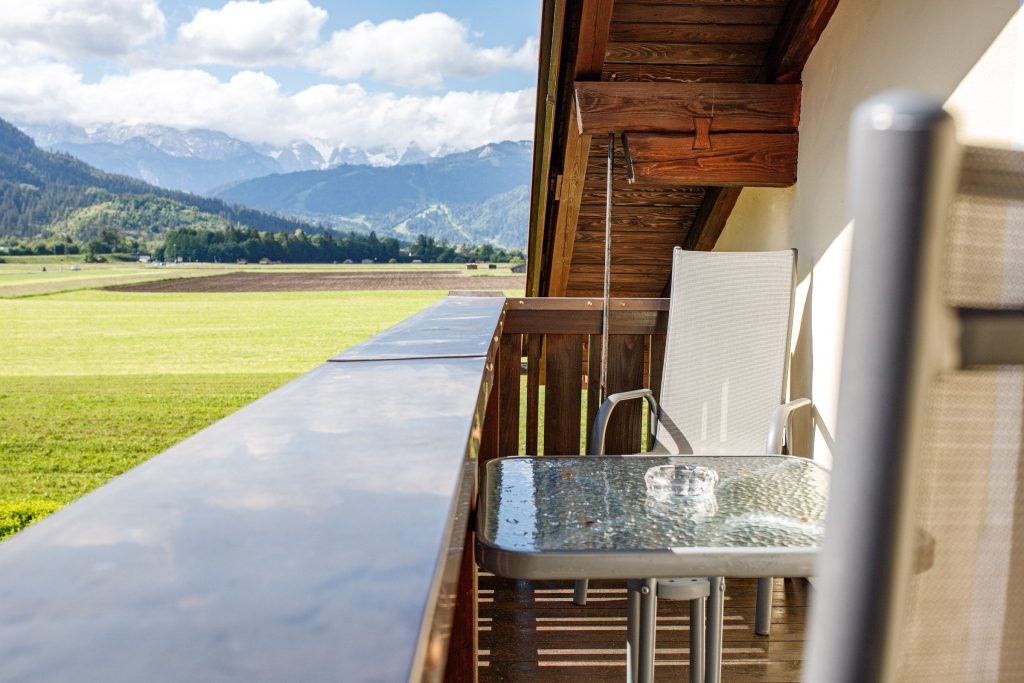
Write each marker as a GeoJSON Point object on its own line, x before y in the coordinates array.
{"type": "Point", "coordinates": [724, 381]}
{"type": "Point", "coordinates": [931, 408]}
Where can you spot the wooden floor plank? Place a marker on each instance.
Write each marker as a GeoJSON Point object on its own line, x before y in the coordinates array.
{"type": "Point", "coordinates": [531, 631]}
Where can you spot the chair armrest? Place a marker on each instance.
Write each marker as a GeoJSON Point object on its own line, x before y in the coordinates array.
{"type": "Point", "coordinates": [597, 433]}
{"type": "Point", "coordinates": [778, 428]}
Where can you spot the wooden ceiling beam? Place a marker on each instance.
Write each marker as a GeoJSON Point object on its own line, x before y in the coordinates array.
{"type": "Point", "coordinates": [608, 107]}
{"type": "Point", "coordinates": [741, 159]}
{"type": "Point", "coordinates": [595, 23]}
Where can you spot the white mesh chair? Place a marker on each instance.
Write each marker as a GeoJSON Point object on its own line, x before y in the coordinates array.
{"type": "Point", "coordinates": [922, 572]}
{"type": "Point", "coordinates": [724, 381]}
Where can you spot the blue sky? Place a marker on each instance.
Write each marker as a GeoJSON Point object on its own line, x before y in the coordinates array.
{"type": "Point", "coordinates": [447, 75]}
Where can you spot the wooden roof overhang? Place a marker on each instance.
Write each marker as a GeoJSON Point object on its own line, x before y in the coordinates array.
{"type": "Point", "coordinates": [703, 97]}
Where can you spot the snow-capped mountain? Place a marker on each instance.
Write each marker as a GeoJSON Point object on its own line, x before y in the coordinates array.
{"type": "Point", "coordinates": [202, 161]}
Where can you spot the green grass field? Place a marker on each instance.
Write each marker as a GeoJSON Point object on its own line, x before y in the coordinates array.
{"type": "Point", "coordinates": [93, 382]}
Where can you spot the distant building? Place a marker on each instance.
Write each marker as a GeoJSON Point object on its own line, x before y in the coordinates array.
{"type": "Point", "coordinates": [367, 260]}
{"type": "Point", "coordinates": [521, 268]}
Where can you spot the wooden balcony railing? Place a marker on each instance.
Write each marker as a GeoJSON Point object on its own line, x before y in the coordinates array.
{"type": "Point", "coordinates": [560, 339]}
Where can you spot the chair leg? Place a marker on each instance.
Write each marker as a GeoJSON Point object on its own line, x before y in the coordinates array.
{"type": "Point", "coordinates": [648, 629]}
{"type": "Point", "coordinates": [579, 593]}
{"type": "Point", "coordinates": [697, 640]}
{"type": "Point", "coordinates": [716, 609]}
{"type": "Point", "coordinates": [633, 596]}
{"type": "Point", "coordinates": [763, 617]}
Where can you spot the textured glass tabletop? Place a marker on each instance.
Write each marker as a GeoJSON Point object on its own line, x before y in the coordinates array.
{"type": "Point", "coordinates": [768, 509]}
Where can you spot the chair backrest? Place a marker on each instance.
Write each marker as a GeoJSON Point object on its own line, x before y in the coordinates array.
{"type": "Point", "coordinates": [922, 574]}
{"type": "Point", "coordinates": [727, 350]}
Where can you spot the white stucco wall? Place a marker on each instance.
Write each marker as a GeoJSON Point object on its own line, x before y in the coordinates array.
{"type": "Point", "coordinates": [967, 54]}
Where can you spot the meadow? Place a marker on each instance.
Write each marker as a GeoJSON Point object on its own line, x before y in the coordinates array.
{"type": "Point", "coordinates": [93, 382]}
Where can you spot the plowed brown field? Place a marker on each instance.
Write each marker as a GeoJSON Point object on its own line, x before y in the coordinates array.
{"type": "Point", "coordinates": [329, 282]}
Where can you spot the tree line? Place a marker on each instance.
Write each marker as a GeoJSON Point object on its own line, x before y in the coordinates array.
{"type": "Point", "coordinates": [298, 246]}
{"type": "Point", "coordinates": [237, 243]}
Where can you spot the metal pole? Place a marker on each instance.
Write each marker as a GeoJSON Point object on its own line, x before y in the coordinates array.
{"type": "Point", "coordinates": [607, 268]}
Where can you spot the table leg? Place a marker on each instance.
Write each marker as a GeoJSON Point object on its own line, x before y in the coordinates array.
{"type": "Point", "coordinates": [716, 616]}
{"type": "Point", "coordinates": [697, 646]}
{"type": "Point", "coordinates": [648, 628]}
{"type": "Point", "coordinates": [763, 617]}
{"type": "Point", "coordinates": [633, 594]}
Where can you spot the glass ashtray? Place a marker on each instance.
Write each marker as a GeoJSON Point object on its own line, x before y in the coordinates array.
{"type": "Point", "coordinates": [680, 481]}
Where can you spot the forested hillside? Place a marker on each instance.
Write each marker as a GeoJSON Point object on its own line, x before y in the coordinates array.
{"type": "Point", "coordinates": [42, 193]}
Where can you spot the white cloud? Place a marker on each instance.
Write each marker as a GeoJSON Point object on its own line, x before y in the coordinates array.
{"type": "Point", "coordinates": [417, 52]}
{"type": "Point", "coordinates": [43, 42]}
{"type": "Point", "coordinates": [245, 32]}
{"type": "Point", "coordinates": [96, 27]}
{"type": "Point", "coordinates": [252, 106]}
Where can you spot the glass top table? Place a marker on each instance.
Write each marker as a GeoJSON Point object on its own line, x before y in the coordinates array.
{"type": "Point", "coordinates": [574, 517]}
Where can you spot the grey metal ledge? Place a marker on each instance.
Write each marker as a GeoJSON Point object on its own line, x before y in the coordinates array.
{"type": "Point", "coordinates": [456, 327]}
{"type": "Point", "coordinates": [310, 536]}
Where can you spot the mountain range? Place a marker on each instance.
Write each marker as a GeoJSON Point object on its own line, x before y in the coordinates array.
{"type": "Point", "coordinates": [201, 160]}
{"type": "Point", "coordinates": [477, 196]}
{"type": "Point", "coordinates": [47, 193]}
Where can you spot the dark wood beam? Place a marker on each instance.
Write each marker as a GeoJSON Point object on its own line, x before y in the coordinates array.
{"type": "Point", "coordinates": [712, 217]}
{"type": "Point", "coordinates": [607, 107]}
{"type": "Point", "coordinates": [798, 33]}
{"type": "Point", "coordinates": [742, 159]}
{"type": "Point", "coordinates": [595, 22]}
{"type": "Point", "coordinates": [552, 23]}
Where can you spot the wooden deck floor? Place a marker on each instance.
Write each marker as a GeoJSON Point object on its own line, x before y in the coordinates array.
{"type": "Point", "coordinates": [531, 631]}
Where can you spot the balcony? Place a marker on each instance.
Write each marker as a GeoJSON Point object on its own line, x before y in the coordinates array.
{"type": "Point", "coordinates": [321, 533]}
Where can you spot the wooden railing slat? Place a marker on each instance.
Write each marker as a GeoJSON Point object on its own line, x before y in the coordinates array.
{"type": "Point", "coordinates": [533, 361]}
{"type": "Point", "coordinates": [563, 394]}
{"type": "Point", "coordinates": [509, 371]}
{"type": "Point", "coordinates": [593, 384]}
{"type": "Point", "coordinates": [625, 372]}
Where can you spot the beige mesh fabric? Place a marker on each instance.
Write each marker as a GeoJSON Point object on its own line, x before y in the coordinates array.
{"type": "Point", "coordinates": [986, 236]}
{"type": "Point", "coordinates": [964, 619]}
{"type": "Point", "coordinates": [965, 614]}
{"type": "Point", "coordinates": [726, 352]}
